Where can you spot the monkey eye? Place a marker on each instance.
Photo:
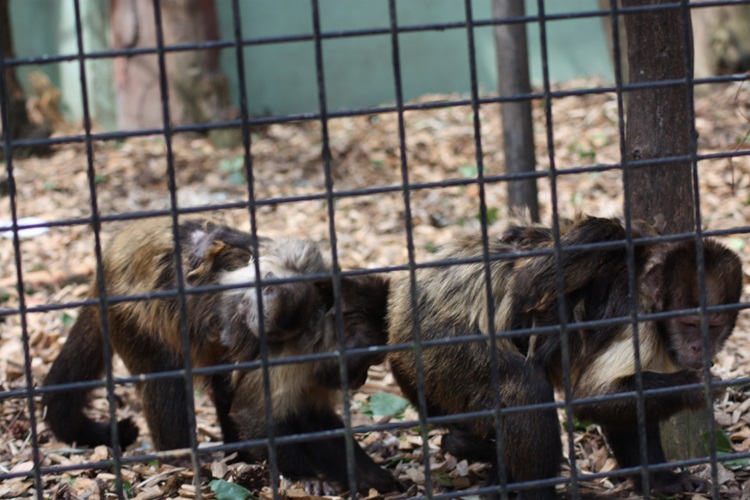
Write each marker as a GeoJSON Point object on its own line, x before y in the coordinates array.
{"type": "Point", "coordinates": [718, 321]}
{"type": "Point", "coordinates": [716, 328]}
{"type": "Point", "coordinates": [689, 322]}
{"type": "Point", "coordinates": [353, 315]}
{"type": "Point", "coordinates": [715, 323]}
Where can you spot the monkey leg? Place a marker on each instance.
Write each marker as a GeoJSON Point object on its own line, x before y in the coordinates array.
{"type": "Point", "coordinates": [624, 442]}
{"type": "Point", "coordinates": [328, 457]}
{"type": "Point", "coordinates": [165, 399]}
{"type": "Point", "coordinates": [618, 420]}
{"type": "Point", "coordinates": [462, 443]}
{"type": "Point", "coordinates": [531, 444]}
{"type": "Point", "coordinates": [657, 407]}
{"type": "Point", "coordinates": [165, 408]}
{"type": "Point", "coordinates": [221, 386]}
{"type": "Point", "coordinates": [531, 440]}
{"type": "Point", "coordinates": [292, 459]}
{"type": "Point", "coordinates": [81, 359]}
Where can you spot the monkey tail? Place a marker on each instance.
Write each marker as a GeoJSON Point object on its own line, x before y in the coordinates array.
{"type": "Point", "coordinates": [81, 360]}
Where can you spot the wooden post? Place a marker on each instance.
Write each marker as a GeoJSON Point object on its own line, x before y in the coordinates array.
{"type": "Point", "coordinates": [658, 126]}
{"type": "Point", "coordinates": [198, 90]}
{"type": "Point", "coordinates": [722, 40]}
{"type": "Point", "coordinates": [513, 79]}
{"type": "Point", "coordinates": [18, 119]}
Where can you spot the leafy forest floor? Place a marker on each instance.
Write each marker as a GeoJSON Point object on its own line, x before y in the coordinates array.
{"type": "Point", "coordinates": [370, 233]}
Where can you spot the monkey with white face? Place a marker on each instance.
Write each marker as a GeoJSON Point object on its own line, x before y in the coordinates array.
{"type": "Point", "coordinates": [225, 327]}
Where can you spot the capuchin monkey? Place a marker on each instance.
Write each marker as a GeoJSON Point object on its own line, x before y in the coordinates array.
{"type": "Point", "coordinates": [298, 317]}
{"type": "Point", "coordinates": [458, 378]}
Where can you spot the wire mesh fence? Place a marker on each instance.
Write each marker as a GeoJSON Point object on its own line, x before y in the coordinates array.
{"type": "Point", "coordinates": [509, 338]}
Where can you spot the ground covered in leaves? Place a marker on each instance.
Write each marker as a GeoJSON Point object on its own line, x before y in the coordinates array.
{"type": "Point", "coordinates": [370, 232]}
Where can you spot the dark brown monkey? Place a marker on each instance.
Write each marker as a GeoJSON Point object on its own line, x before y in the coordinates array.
{"type": "Point", "coordinates": [458, 378]}
{"type": "Point", "coordinates": [223, 327]}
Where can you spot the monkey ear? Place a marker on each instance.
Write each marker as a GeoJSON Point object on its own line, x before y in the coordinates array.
{"type": "Point", "coordinates": [376, 289]}
{"type": "Point", "coordinates": [270, 275]}
{"type": "Point", "coordinates": [205, 249]}
{"type": "Point", "coordinates": [642, 229]}
{"type": "Point", "coordinates": [366, 291]}
{"type": "Point", "coordinates": [269, 290]}
{"type": "Point", "coordinates": [384, 283]}
{"type": "Point", "coordinates": [653, 284]}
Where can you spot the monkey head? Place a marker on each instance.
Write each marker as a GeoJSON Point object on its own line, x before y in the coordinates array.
{"type": "Point", "coordinates": [364, 306]}
{"type": "Point", "coordinates": [673, 284]}
{"type": "Point", "coordinates": [304, 311]}
{"type": "Point", "coordinates": [286, 308]}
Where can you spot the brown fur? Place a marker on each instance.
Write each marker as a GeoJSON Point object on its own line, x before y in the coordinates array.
{"type": "Point", "coordinates": [451, 302]}
{"type": "Point", "coordinates": [298, 318]}
{"type": "Point", "coordinates": [146, 333]}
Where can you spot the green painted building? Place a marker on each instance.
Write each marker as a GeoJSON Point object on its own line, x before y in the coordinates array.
{"type": "Point", "coordinates": [281, 77]}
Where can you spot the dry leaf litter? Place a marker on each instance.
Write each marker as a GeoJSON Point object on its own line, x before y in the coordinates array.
{"type": "Point", "coordinates": [370, 233]}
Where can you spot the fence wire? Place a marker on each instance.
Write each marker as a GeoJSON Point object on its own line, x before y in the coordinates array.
{"type": "Point", "coordinates": [407, 187]}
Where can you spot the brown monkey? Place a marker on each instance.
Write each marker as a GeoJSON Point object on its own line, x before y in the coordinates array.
{"type": "Point", "coordinates": [458, 378]}
{"type": "Point", "coordinates": [223, 327]}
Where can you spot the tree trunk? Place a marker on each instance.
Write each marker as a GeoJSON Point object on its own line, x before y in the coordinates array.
{"type": "Point", "coordinates": [722, 40]}
{"type": "Point", "coordinates": [658, 126]}
{"type": "Point", "coordinates": [18, 119]}
{"type": "Point", "coordinates": [513, 79]}
{"type": "Point", "coordinates": [198, 91]}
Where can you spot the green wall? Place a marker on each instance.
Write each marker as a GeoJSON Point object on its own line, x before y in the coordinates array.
{"type": "Point", "coordinates": [281, 77]}
{"type": "Point", "coordinates": [47, 27]}
{"type": "Point", "coordinates": [358, 71]}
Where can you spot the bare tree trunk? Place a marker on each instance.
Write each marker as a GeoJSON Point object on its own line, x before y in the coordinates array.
{"type": "Point", "coordinates": [198, 91]}
{"type": "Point", "coordinates": [513, 79]}
{"type": "Point", "coordinates": [18, 119]}
{"type": "Point", "coordinates": [722, 40]}
{"type": "Point", "coordinates": [658, 126]}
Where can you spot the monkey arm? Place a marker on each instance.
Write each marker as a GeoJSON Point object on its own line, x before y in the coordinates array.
{"type": "Point", "coordinates": [622, 439]}
{"type": "Point", "coordinates": [328, 373]}
{"type": "Point", "coordinates": [364, 310]}
{"type": "Point", "coordinates": [359, 336]}
{"type": "Point", "coordinates": [657, 407]}
{"type": "Point", "coordinates": [619, 423]}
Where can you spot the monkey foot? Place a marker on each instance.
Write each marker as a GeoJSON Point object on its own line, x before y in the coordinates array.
{"type": "Point", "coordinates": [318, 487]}
{"type": "Point", "coordinates": [127, 432]}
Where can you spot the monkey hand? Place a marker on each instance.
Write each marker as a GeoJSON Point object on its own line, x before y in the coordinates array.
{"type": "Point", "coordinates": [357, 373]}
{"type": "Point", "coordinates": [717, 391]}
{"type": "Point", "coordinates": [696, 398]}
{"type": "Point", "coordinates": [670, 483]}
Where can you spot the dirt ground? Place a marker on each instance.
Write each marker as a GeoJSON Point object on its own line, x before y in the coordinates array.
{"type": "Point", "coordinates": [370, 233]}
